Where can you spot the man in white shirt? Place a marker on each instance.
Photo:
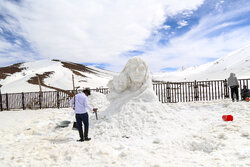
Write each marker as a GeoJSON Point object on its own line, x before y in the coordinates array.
{"type": "Point", "coordinates": [79, 105]}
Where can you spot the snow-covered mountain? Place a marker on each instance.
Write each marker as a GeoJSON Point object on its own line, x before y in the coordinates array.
{"type": "Point", "coordinates": [237, 62]}
{"type": "Point", "coordinates": [56, 74]}
{"type": "Point", "coordinates": [53, 74]}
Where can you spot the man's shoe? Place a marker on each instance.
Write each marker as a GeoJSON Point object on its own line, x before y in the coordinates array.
{"type": "Point", "coordinates": [87, 139]}
{"type": "Point", "coordinates": [81, 140]}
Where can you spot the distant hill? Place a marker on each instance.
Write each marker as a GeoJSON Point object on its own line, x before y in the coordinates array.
{"type": "Point", "coordinates": [54, 75]}
{"type": "Point", "coordinates": [57, 75]}
{"type": "Point", "coordinates": [237, 62]}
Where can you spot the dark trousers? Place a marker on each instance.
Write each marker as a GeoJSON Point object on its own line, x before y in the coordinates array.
{"type": "Point", "coordinates": [234, 90]}
{"type": "Point", "coordinates": [85, 119]}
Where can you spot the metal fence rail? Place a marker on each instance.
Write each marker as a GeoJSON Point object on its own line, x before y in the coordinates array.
{"type": "Point", "coordinates": [38, 100]}
{"type": "Point", "coordinates": [167, 92]}
{"type": "Point", "coordinates": [173, 92]}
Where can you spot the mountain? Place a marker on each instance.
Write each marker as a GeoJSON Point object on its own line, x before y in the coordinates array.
{"type": "Point", "coordinates": [53, 75]}
{"type": "Point", "coordinates": [57, 75]}
{"type": "Point", "coordinates": [237, 62]}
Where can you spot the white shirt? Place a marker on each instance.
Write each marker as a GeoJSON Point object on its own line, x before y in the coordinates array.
{"type": "Point", "coordinates": [81, 103]}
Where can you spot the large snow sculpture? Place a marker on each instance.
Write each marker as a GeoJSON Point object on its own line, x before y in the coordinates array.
{"type": "Point", "coordinates": [134, 106]}
{"type": "Point", "coordinates": [133, 83]}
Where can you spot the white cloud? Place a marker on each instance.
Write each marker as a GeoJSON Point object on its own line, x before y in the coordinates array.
{"type": "Point", "coordinates": [182, 23]}
{"type": "Point", "coordinates": [90, 31]}
{"type": "Point", "coordinates": [4, 44]}
{"type": "Point", "coordinates": [212, 38]}
{"type": "Point", "coordinates": [166, 27]}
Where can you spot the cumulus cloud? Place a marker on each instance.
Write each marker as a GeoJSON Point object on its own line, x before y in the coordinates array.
{"type": "Point", "coordinates": [87, 31]}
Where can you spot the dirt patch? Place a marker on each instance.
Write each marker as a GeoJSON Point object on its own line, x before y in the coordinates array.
{"type": "Point", "coordinates": [79, 74]}
{"type": "Point", "coordinates": [34, 81]}
{"type": "Point", "coordinates": [74, 67]}
{"type": "Point", "coordinates": [7, 71]}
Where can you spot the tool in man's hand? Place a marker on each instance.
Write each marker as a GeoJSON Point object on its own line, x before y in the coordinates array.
{"type": "Point", "coordinates": [95, 111]}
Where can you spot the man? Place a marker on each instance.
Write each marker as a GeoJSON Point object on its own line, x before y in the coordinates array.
{"type": "Point", "coordinates": [79, 105]}
{"type": "Point", "coordinates": [245, 92]}
{"type": "Point", "coordinates": [234, 85]}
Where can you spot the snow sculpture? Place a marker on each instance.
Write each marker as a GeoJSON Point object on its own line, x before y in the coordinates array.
{"type": "Point", "coordinates": [133, 83]}
{"type": "Point", "coordinates": [134, 106]}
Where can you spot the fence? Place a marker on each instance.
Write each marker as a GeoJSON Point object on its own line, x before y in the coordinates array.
{"type": "Point", "coordinates": [39, 100]}
{"type": "Point", "coordinates": [173, 92]}
{"type": "Point", "coordinates": [167, 92]}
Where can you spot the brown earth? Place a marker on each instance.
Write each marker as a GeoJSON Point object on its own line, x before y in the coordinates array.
{"type": "Point", "coordinates": [6, 71]}
{"type": "Point", "coordinates": [34, 81]}
{"type": "Point", "coordinates": [79, 74]}
{"type": "Point", "coordinates": [74, 67]}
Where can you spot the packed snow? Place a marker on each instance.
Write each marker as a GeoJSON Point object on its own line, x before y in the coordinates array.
{"type": "Point", "coordinates": [182, 134]}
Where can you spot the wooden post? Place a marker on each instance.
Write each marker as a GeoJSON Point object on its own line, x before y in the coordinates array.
{"type": "Point", "coordinates": [218, 84]}
{"type": "Point", "coordinates": [40, 92]}
{"type": "Point", "coordinates": [1, 102]}
{"type": "Point", "coordinates": [183, 91]}
{"type": "Point", "coordinates": [58, 101]}
{"type": "Point", "coordinates": [215, 90]}
{"type": "Point", "coordinates": [196, 96]}
{"type": "Point", "coordinates": [186, 91]}
{"type": "Point", "coordinates": [168, 93]}
{"type": "Point", "coordinates": [212, 90]}
{"type": "Point", "coordinates": [23, 101]}
{"type": "Point", "coordinates": [206, 90]}
{"type": "Point", "coordinates": [175, 94]}
{"type": "Point", "coordinates": [40, 99]}
{"type": "Point", "coordinates": [199, 91]}
{"type": "Point", "coordinates": [74, 92]}
{"type": "Point", "coordinates": [226, 92]}
{"type": "Point", "coordinates": [161, 93]}
{"type": "Point", "coordinates": [39, 82]}
{"type": "Point", "coordinates": [165, 92]}
{"type": "Point", "coordinates": [7, 102]}
{"type": "Point", "coordinates": [180, 97]}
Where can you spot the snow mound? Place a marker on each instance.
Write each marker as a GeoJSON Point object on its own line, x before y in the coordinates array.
{"type": "Point", "coordinates": [98, 100]}
{"type": "Point", "coordinates": [134, 107]}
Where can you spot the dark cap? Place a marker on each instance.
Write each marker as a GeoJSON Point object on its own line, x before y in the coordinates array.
{"type": "Point", "coordinates": [87, 91]}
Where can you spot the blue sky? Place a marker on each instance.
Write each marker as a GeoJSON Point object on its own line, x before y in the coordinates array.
{"type": "Point", "coordinates": [168, 35]}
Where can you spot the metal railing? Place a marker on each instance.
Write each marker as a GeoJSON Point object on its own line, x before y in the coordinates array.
{"type": "Point", "coordinates": [167, 92]}
{"type": "Point", "coordinates": [173, 92]}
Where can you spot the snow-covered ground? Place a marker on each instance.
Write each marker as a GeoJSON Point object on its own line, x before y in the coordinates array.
{"type": "Point", "coordinates": [178, 135]}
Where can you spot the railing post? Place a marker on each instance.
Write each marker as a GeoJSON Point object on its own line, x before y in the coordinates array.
{"type": "Point", "coordinates": [23, 101]}
{"type": "Point", "coordinates": [196, 96]}
{"type": "Point", "coordinates": [226, 89]}
{"type": "Point", "coordinates": [58, 101]}
{"type": "Point", "coordinates": [168, 93]}
{"type": "Point", "coordinates": [40, 99]}
{"type": "Point", "coordinates": [7, 102]}
{"type": "Point", "coordinates": [1, 102]}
